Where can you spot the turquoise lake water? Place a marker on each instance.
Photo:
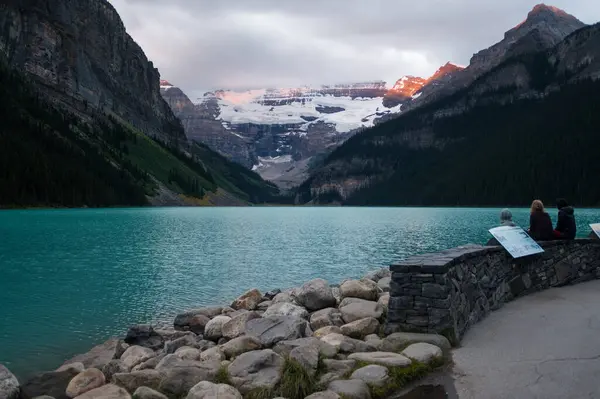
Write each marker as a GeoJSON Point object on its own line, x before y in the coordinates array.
{"type": "Point", "coordinates": [70, 279]}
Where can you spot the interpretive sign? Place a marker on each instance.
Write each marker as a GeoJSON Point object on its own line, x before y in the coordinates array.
{"type": "Point", "coordinates": [596, 228]}
{"type": "Point", "coordinates": [516, 241]}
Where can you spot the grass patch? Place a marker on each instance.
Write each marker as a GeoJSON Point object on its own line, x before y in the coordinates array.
{"type": "Point", "coordinates": [296, 382]}
{"type": "Point", "coordinates": [222, 376]}
{"type": "Point", "coordinates": [261, 393]}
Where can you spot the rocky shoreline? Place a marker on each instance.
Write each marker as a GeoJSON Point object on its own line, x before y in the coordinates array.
{"type": "Point", "coordinates": [315, 341]}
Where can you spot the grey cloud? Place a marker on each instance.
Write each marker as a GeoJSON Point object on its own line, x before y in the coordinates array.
{"type": "Point", "coordinates": [208, 44]}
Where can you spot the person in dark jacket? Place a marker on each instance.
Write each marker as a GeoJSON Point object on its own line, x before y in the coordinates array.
{"type": "Point", "coordinates": [565, 227]}
{"type": "Point", "coordinates": [540, 224]}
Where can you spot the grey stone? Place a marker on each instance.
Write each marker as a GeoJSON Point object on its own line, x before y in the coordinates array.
{"type": "Point", "coordinates": [373, 339]}
{"type": "Point", "coordinates": [323, 331]}
{"type": "Point", "coordinates": [398, 341]}
{"type": "Point", "coordinates": [361, 328]}
{"type": "Point", "coordinates": [378, 274]}
{"type": "Point", "coordinates": [387, 359]}
{"type": "Point", "coordinates": [270, 330]}
{"type": "Point", "coordinates": [323, 395]}
{"type": "Point", "coordinates": [283, 297]}
{"type": "Point", "coordinates": [339, 366]}
{"type": "Point", "coordinates": [188, 353]}
{"type": "Point", "coordinates": [256, 370]}
{"type": "Point", "coordinates": [272, 294]}
{"type": "Point", "coordinates": [9, 385]}
{"type": "Point", "coordinates": [248, 300]}
{"type": "Point", "coordinates": [208, 390]}
{"type": "Point", "coordinates": [178, 381]}
{"type": "Point", "coordinates": [284, 348]}
{"type": "Point", "coordinates": [72, 366]}
{"type": "Point", "coordinates": [203, 345]}
{"type": "Point", "coordinates": [113, 367]}
{"type": "Point", "coordinates": [240, 345]}
{"type": "Point", "coordinates": [423, 352]}
{"type": "Point", "coordinates": [373, 375]}
{"type": "Point", "coordinates": [135, 355]}
{"type": "Point", "coordinates": [85, 381]}
{"type": "Point", "coordinates": [213, 329]}
{"type": "Point", "coordinates": [350, 389]}
{"type": "Point", "coordinates": [144, 335]}
{"type": "Point", "coordinates": [98, 356]}
{"type": "Point", "coordinates": [286, 309]}
{"type": "Point", "coordinates": [361, 310]}
{"type": "Point", "coordinates": [53, 383]}
{"type": "Point", "coordinates": [184, 321]}
{"type": "Point", "coordinates": [147, 393]}
{"type": "Point", "coordinates": [384, 284]}
{"type": "Point", "coordinates": [326, 317]}
{"type": "Point", "coordinates": [363, 289]}
{"type": "Point", "coordinates": [187, 340]}
{"type": "Point", "coordinates": [263, 306]}
{"type": "Point", "coordinates": [306, 356]}
{"type": "Point", "coordinates": [135, 379]}
{"type": "Point", "coordinates": [150, 363]}
{"type": "Point", "coordinates": [326, 378]}
{"type": "Point", "coordinates": [108, 391]}
{"type": "Point", "coordinates": [237, 325]}
{"type": "Point", "coordinates": [347, 344]}
{"type": "Point", "coordinates": [315, 295]}
{"type": "Point", "coordinates": [212, 354]}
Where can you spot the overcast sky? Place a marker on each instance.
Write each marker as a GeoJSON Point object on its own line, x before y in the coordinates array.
{"type": "Point", "coordinates": [203, 45]}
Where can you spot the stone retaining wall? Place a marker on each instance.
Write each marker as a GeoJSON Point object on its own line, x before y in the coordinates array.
{"type": "Point", "coordinates": [449, 291]}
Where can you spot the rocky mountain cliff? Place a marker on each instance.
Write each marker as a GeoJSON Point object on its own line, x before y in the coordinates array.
{"type": "Point", "coordinates": [81, 53]}
{"type": "Point", "coordinates": [413, 158]}
{"type": "Point", "coordinates": [85, 122]}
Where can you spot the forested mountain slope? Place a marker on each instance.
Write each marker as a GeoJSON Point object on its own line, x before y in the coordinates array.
{"type": "Point", "coordinates": [529, 128]}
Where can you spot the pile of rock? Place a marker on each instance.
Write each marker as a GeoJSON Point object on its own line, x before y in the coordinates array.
{"type": "Point", "coordinates": [232, 351]}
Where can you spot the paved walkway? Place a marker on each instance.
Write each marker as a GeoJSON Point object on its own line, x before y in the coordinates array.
{"type": "Point", "coordinates": [542, 346]}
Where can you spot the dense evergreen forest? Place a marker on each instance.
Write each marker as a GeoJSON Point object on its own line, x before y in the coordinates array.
{"type": "Point", "coordinates": [50, 157]}
{"type": "Point", "coordinates": [501, 151]}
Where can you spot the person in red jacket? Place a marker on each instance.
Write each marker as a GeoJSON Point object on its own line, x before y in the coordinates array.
{"type": "Point", "coordinates": [540, 224]}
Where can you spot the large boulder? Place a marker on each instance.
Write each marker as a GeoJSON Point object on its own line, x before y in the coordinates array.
{"type": "Point", "coordinates": [195, 320]}
{"type": "Point", "coordinates": [135, 355]}
{"type": "Point", "coordinates": [144, 335]}
{"type": "Point", "coordinates": [307, 357]}
{"type": "Point", "coordinates": [384, 284]}
{"type": "Point", "coordinates": [113, 367]}
{"type": "Point", "coordinates": [374, 340]}
{"type": "Point", "coordinates": [286, 309]}
{"type": "Point", "coordinates": [323, 395]}
{"type": "Point", "coordinates": [326, 317]}
{"type": "Point", "coordinates": [240, 345]}
{"type": "Point", "coordinates": [208, 390]}
{"type": "Point", "coordinates": [363, 289]}
{"type": "Point", "coordinates": [212, 354]}
{"type": "Point", "coordinates": [323, 331]}
{"type": "Point", "coordinates": [270, 330]}
{"type": "Point", "coordinates": [284, 348]}
{"type": "Point", "coordinates": [423, 352]}
{"type": "Point", "coordinates": [346, 344]}
{"type": "Point", "coordinates": [287, 296]}
{"type": "Point", "coordinates": [248, 301]}
{"type": "Point", "coordinates": [387, 359]}
{"type": "Point", "coordinates": [147, 393]}
{"type": "Point", "coordinates": [98, 356]}
{"type": "Point", "coordinates": [340, 367]}
{"type": "Point", "coordinates": [398, 341]}
{"type": "Point", "coordinates": [85, 381]}
{"type": "Point", "coordinates": [52, 383]}
{"type": "Point", "coordinates": [378, 274]}
{"type": "Point", "coordinates": [315, 295]}
{"type": "Point", "coordinates": [237, 325]}
{"type": "Point", "coordinates": [384, 301]}
{"type": "Point", "coordinates": [373, 375]}
{"type": "Point", "coordinates": [132, 381]}
{"type": "Point", "coordinates": [9, 385]}
{"type": "Point", "coordinates": [187, 340]}
{"type": "Point", "coordinates": [108, 391]}
{"type": "Point", "coordinates": [256, 370]}
{"type": "Point", "coordinates": [178, 380]}
{"type": "Point", "coordinates": [150, 363]}
{"type": "Point", "coordinates": [214, 328]}
{"type": "Point", "coordinates": [361, 309]}
{"type": "Point", "coordinates": [350, 389]}
{"type": "Point", "coordinates": [187, 353]}
{"type": "Point", "coordinates": [361, 328]}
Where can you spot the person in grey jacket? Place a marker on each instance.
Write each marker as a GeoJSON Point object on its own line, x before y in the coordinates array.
{"type": "Point", "coordinates": [505, 220]}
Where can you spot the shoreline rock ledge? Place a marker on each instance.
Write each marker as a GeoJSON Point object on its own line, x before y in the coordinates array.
{"type": "Point", "coordinates": [261, 344]}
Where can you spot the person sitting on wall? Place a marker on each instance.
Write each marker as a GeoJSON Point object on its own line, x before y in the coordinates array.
{"type": "Point", "coordinates": [505, 220]}
{"type": "Point", "coordinates": [540, 224]}
{"type": "Point", "coordinates": [565, 227]}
